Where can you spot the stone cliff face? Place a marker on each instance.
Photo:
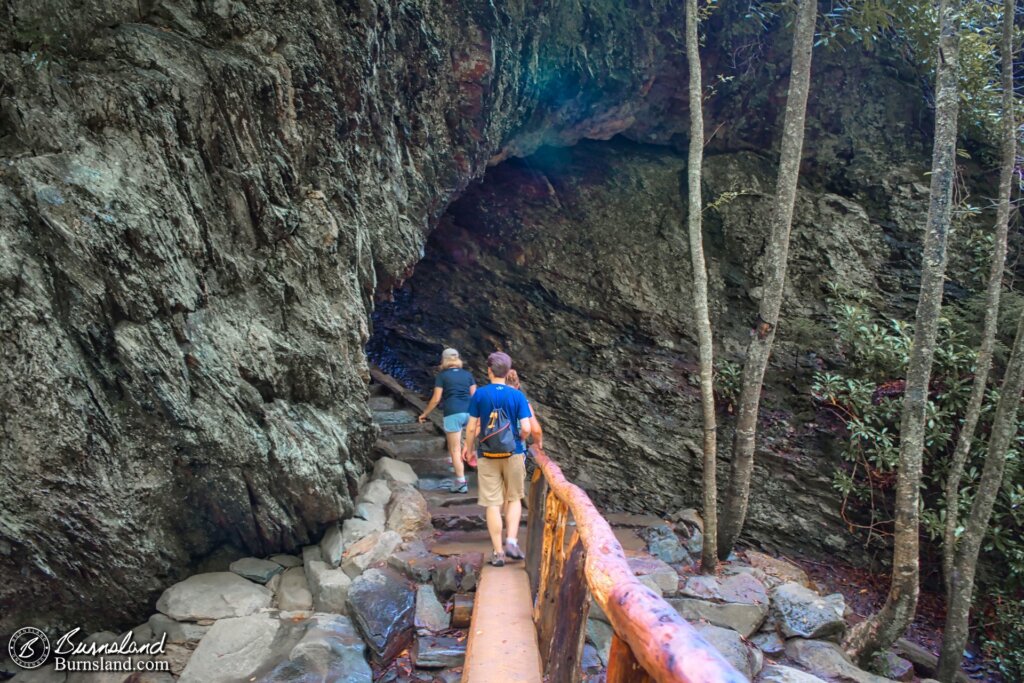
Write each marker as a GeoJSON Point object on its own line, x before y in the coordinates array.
{"type": "Point", "coordinates": [576, 262]}
{"type": "Point", "coordinates": [198, 200]}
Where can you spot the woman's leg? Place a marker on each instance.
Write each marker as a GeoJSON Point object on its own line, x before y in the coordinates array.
{"type": "Point", "coordinates": [454, 440]}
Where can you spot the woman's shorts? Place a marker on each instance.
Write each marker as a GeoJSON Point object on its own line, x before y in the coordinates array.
{"type": "Point", "coordinates": [456, 422]}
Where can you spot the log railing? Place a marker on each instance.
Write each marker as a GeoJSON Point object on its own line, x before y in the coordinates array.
{"type": "Point", "coordinates": [651, 642]}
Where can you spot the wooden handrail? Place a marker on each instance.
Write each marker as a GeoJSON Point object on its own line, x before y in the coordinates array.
{"type": "Point", "coordinates": [662, 642]}
{"type": "Point", "coordinates": [410, 397]}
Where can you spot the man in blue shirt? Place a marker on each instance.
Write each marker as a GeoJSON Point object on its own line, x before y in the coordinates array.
{"type": "Point", "coordinates": [501, 477]}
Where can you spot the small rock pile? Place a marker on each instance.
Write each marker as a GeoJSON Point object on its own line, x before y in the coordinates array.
{"type": "Point", "coordinates": [762, 613]}
{"type": "Point", "coordinates": [368, 603]}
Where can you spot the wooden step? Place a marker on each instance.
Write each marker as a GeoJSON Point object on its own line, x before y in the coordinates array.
{"type": "Point", "coordinates": [502, 637]}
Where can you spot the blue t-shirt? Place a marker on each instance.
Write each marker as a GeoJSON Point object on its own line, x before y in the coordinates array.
{"type": "Point", "coordinates": [492, 396]}
{"type": "Point", "coordinates": [455, 383]}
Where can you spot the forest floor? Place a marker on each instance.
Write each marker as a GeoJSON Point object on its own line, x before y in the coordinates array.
{"type": "Point", "coordinates": [865, 592]}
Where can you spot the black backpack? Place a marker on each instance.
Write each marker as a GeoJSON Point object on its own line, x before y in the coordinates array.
{"type": "Point", "coordinates": [497, 435]}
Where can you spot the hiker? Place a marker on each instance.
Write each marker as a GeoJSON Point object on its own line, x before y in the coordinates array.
{"type": "Point", "coordinates": [536, 437]}
{"type": "Point", "coordinates": [500, 416]}
{"type": "Point", "coordinates": [454, 386]}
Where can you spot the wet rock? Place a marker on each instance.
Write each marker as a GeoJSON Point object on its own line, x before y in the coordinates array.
{"type": "Point", "coordinates": [591, 662]}
{"type": "Point", "coordinates": [415, 562]}
{"type": "Point", "coordinates": [311, 553]}
{"type": "Point", "coordinates": [801, 612]}
{"type": "Point", "coordinates": [256, 569]}
{"type": "Point", "coordinates": [213, 596]}
{"type": "Point", "coordinates": [776, 673]}
{"type": "Point", "coordinates": [744, 619]}
{"type": "Point", "coordinates": [233, 649]}
{"type": "Point", "coordinates": [665, 576]}
{"type": "Point", "coordinates": [286, 561]}
{"type": "Point", "coordinates": [373, 549]}
{"type": "Point", "coordinates": [329, 650]}
{"type": "Point", "coordinates": [408, 512]}
{"type": "Point", "coordinates": [695, 543]}
{"type": "Point", "coordinates": [381, 604]}
{"type": "Point", "coordinates": [732, 647]}
{"type": "Point", "coordinates": [891, 665]}
{"type": "Point", "coordinates": [329, 587]}
{"type": "Point", "coordinates": [777, 568]}
{"type": "Point", "coordinates": [376, 492]}
{"type": "Point", "coordinates": [690, 517]}
{"type": "Point", "coordinates": [293, 593]}
{"type": "Point", "coordinates": [179, 632]}
{"type": "Point", "coordinates": [663, 543]}
{"type": "Point", "coordinates": [332, 546]}
{"type": "Point", "coordinates": [390, 469]}
{"type": "Point", "coordinates": [439, 652]}
{"type": "Point", "coordinates": [599, 634]}
{"type": "Point", "coordinates": [430, 613]}
{"type": "Point", "coordinates": [472, 564]}
{"type": "Point", "coordinates": [770, 643]}
{"type": "Point", "coordinates": [827, 661]}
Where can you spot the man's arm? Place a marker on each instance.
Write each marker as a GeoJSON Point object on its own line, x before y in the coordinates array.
{"type": "Point", "coordinates": [472, 390]}
{"type": "Point", "coordinates": [434, 400]}
{"type": "Point", "coordinates": [472, 428]}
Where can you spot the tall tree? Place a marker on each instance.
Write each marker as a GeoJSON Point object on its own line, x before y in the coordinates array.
{"type": "Point", "coordinates": [734, 511]}
{"type": "Point", "coordinates": [883, 628]}
{"type": "Point", "coordinates": [709, 558]}
{"type": "Point", "coordinates": [960, 556]}
{"type": "Point", "coordinates": [1008, 135]}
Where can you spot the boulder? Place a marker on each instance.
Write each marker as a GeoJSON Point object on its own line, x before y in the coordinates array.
{"type": "Point", "coordinates": [591, 662]}
{"type": "Point", "coordinates": [430, 613]}
{"type": "Point", "coordinates": [329, 587]}
{"type": "Point", "coordinates": [800, 612]}
{"type": "Point", "coordinates": [293, 592]}
{"type": "Point", "coordinates": [780, 569]}
{"type": "Point", "coordinates": [371, 512]}
{"type": "Point", "coordinates": [390, 469]}
{"type": "Point", "coordinates": [376, 547]}
{"type": "Point", "coordinates": [744, 619]}
{"type": "Point", "coordinates": [827, 661]}
{"type": "Point", "coordinates": [311, 553]}
{"type": "Point", "coordinates": [332, 546]}
{"type": "Point", "coordinates": [663, 543]}
{"type": "Point", "coordinates": [234, 648]}
{"type": "Point", "coordinates": [415, 561]}
{"type": "Point", "coordinates": [457, 573]}
{"type": "Point", "coordinates": [255, 569]}
{"type": "Point", "coordinates": [776, 673]}
{"type": "Point", "coordinates": [742, 656]}
{"type": "Point", "coordinates": [651, 583]}
{"type": "Point", "coordinates": [377, 492]}
{"type": "Point", "coordinates": [355, 528]}
{"type": "Point", "coordinates": [213, 596]}
{"type": "Point", "coordinates": [46, 674]}
{"type": "Point", "coordinates": [381, 603]}
{"type": "Point", "coordinates": [329, 649]}
{"type": "Point", "coordinates": [891, 665]}
{"type": "Point", "coordinates": [178, 632]}
{"type": "Point", "coordinates": [770, 643]}
{"type": "Point", "coordinates": [408, 512]}
{"type": "Point", "coordinates": [176, 656]}
{"type": "Point", "coordinates": [439, 652]}
{"type": "Point", "coordinates": [736, 588]}
{"type": "Point", "coordinates": [665, 576]}
{"type": "Point", "coordinates": [286, 561]}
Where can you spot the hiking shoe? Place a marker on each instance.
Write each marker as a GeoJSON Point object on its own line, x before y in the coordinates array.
{"type": "Point", "coordinates": [512, 550]}
{"type": "Point", "coordinates": [459, 486]}
{"type": "Point", "coordinates": [497, 559]}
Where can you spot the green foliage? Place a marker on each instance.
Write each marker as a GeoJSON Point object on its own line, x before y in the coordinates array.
{"type": "Point", "coordinates": [728, 380]}
{"type": "Point", "coordinates": [1005, 645]}
{"type": "Point", "coordinates": [867, 396]}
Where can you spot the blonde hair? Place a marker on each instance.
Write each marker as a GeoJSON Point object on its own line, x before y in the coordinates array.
{"type": "Point", "coordinates": [512, 379]}
{"type": "Point", "coordinates": [447, 363]}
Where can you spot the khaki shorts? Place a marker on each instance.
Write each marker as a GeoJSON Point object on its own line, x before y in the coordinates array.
{"type": "Point", "coordinates": [501, 480]}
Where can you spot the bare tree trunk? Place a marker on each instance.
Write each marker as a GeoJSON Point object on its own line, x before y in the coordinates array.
{"type": "Point", "coordinates": [734, 511]}
{"type": "Point", "coordinates": [995, 285]}
{"type": "Point", "coordinates": [709, 558]}
{"type": "Point", "coordinates": [884, 627]}
{"type": "Point", "coordinates": [1004, 429]}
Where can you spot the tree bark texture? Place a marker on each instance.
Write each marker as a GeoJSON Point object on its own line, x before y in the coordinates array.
{"type": "Point", "coordinates": [883, 628]}
{"type": "Point", "coordinates": [1008, 133]}
{"type": "Point", "coordinates": [709, 557]}
{"type": "Point", "coordinates": [734, 511]}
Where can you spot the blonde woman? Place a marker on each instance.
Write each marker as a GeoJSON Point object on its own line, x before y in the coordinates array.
{"type": "Point", "coordinates": [453, 387]}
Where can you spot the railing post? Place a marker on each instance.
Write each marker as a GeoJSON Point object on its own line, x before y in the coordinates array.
{"type": "Point", "coordinates": [535, 529]}
{"type": "Point", "coordinates": [562, 654]}
{"type": "Point", "coordinates": [622, 664]}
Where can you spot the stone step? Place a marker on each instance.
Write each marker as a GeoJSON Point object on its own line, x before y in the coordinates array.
{"type": "Point", "coordinates": [465, 517]}
{"type": "Point", "coordinates": [382, 403]}
{"type": "Point", "coordinates": [408, 430]}
{"type": "Point", "coordinates": [443, 497]}
{"type": "Point", "coordinates": [425, 466]}
{"type": "Point", "coordinates": [377, 389]}
{"type": "Point", "coordinates": [428, 446]}
{"type": "Point", "coordinates": [391, 417]}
